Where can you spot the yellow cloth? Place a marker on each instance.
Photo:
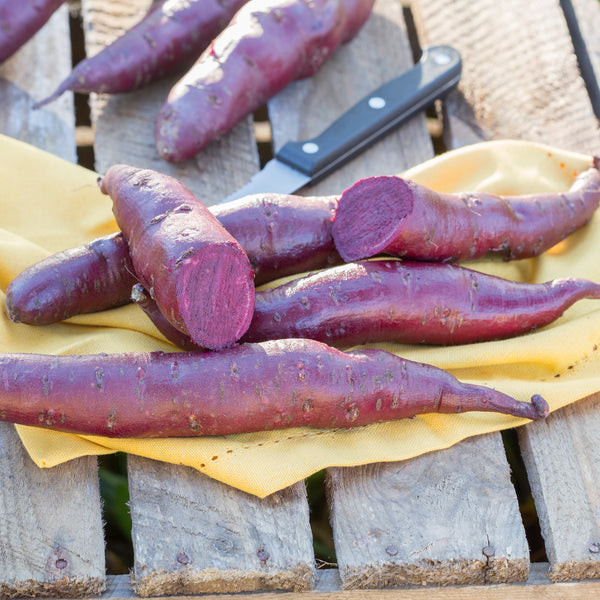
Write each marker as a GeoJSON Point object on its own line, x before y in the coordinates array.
{"type": "Point", "coordinates": [48, 204]}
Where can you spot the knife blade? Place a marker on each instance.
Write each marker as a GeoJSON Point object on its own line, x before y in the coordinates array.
{"type": "Point", "coordinates": [298, 164]}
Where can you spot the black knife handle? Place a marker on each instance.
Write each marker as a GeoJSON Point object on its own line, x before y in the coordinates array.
{"type": "Point", "coordinates": [436, 73]}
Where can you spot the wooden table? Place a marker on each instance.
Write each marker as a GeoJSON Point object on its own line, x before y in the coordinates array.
{"type": "Point", "coordinates": [439, 521]}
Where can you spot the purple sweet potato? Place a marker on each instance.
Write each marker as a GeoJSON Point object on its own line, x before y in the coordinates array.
{"type": "Point", "coordinates": [167, 39]}
{"type": "Point", "coordinates": [196, 271]}
{"type": "Point", "coordinates": [141, 297]}
{"type": "Point", "coordinates": [281, 235]}
{"type": "Point", "coordinates": [20, 20]}
{"type": "Point", "coordinates": [79, 280]}
{"type": "Point", "coordinates": [266, 46]}
{"type": "Point", "coordinates": [251, 387]}
{"type": "Point", "coordinates": [397, 217]}
{"type": "Point", "coordinates": [409, 302]}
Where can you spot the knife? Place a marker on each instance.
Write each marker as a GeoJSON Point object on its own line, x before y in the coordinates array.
{"type": "Point", "coordinates": [297, 164]}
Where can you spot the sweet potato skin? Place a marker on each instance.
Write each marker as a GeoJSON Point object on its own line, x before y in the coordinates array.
{"type": "Point", "coordinates": [80, 280]}
{"type": "Point", "coordinates": [251, 387]}
{"type": "Point", "coordinates": [167, 39]}
{"type": "Point", "coordinates": [20, 20]}
{"type": "Point", "coordinates": [397, 217]}
{"type": "Point", "coordinates": [196, 271]}
{"type": "Point", "coordinates": [266, 46]}
{"type": "Point", "coordinates": [409, 302]}
{"type": "Point", "coordinates": [282, 234]}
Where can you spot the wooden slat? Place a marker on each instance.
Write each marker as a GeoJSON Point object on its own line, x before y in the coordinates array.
{"type": "Point", "coordinates": [50, 519]}
{"type": "Point", "coordinates": [574, 484]}
{"type": "Point", "coordinates": [192, 535]}
{"type": "Point", "coordinates": [32, 74]}
{"type": "Point", "coordinates": [124, 123]}
{"type": "Point", "coordinates": [444, 518]}
{"type": "Point", "coordinates": [50, 525]}
{"type": "Point", "coordinates": [379, 53]}
{"type": "Point", "coordinates": [327, 586]}
{"type": "Point", "coordinates": [562, 457]}
{"type": "Point", "coordinates": [384, 533]}
{"type": "Point", "coordinates": [521, 81]}
{"type": "Point", "coordinates": [232, 541]}
{"type": "Point", "coordinates": [520, 78]}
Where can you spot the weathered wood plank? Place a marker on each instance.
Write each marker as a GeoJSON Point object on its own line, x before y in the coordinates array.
{"type": "Point", "coordinates": [192, 535]}
{"type": "Point", "coordinates": [228, 540]}
{"type": "Point", "coordinates": [379, 53]}
{"type": "Point", "coordinates": [520, 78]}
{"type": "Point", "coordinates": [30, 75]}
{"type": "Point", "coordinates": [573, 483]}
{"type": "Point", "coordinates": [444, 518]}
{"type": "Point", "coordinates": [562, 457]}
{"type": "Point", "coordinates": [50, 525]}
{"type": "Point", "coordinates": [516, 77]}
{"type": "Point", "coordinates": [50, 519]}
{"type": "Point", "coordinates": [327, 586]}
{"type": "Point", "coordinates": [384, 534]}
{"type": "Point", "coordinates": [124, 123]}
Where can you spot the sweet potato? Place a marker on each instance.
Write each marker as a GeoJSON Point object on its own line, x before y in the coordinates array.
{"type": "Point", "coordinates": [167, 39]}
{"type": "Point", "coordinates": [196, 271]}
{"type": "Point", "coordinates": [397, 217]}
{"type": "Point", "coordinates": [78, 280]}
{"type": "Point", "coordinates": [20, 20]}
{"type": "Point", "coordinates": [266, 46]}
{"type": "Point", "coordinates": [281, 235]}
{"type": "Point", "coordinates": [409, 302]}
{"type": "Point", "coordinates": [140, 297]}
{"type": "Point", "coordinates": [251, 387]}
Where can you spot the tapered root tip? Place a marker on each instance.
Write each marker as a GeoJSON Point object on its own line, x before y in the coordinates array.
{"type": "Point", "coordinates": [60, 90]}
{"type": "Point", "coordinates": [542, 409]}
{"type": "Point", "coordinates": [46, 101]}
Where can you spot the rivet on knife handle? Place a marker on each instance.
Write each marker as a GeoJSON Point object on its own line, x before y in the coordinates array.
{"type": "Point", "coordinates": [436, 73]}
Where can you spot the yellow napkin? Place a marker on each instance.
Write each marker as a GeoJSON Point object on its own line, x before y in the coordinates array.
{"type": "Point", "coordinates": [48, 204]}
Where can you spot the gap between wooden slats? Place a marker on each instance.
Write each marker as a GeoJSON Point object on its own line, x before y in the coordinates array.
{"type": "Point", "coordinates": [583, 20]}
